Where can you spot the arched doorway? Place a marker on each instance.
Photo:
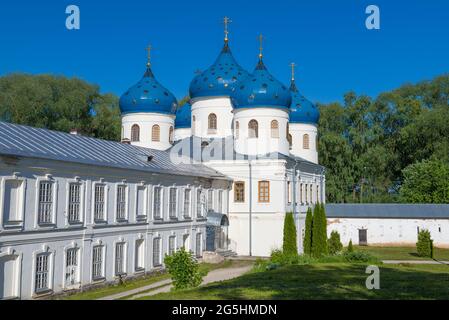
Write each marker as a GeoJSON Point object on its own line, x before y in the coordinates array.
{"type": "Point", "coordinates": [217, 231]}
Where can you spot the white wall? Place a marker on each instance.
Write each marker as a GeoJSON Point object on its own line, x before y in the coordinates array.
{"type": "Point", "coordinates": [396, 232]}
{"type": "Point", "coordinates": [182, 133]}
{"type": "Point", "coordinates": [202, 108]}
{"type": "Point", "coordinates": [298, 130]}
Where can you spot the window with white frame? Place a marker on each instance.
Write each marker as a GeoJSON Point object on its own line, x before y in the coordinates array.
{"type": "Point", "coordinates": [45, 209]}
{"type": "Point", "coordinates": [157, 203]}
{"type": "Point", "coordinates": [42, 276]}
{"type": "Point", "coordinates": [289, 192]}
{"type": "Point", "coordinates": [157, 252]}
{"type": "Point", "coordinates": [74, 202]}
{"type": "Point", "coordinates": [210, 199]}
{"type": "Point", "coordinates": [140, 202]}
{"type": "Point", "coordinates": [13, 201]}
{"type": "Point", "coordinates": [140, 255]}
{"type": "Point", "coordinates": [172, 203]}
{"type": "Point", "coordinates": [121, 202]}
{"type": "Point", "coordinates": [171, 245]}
{"type": "Point", "coordinates": [199, 203]}
{"type": "Point", "coordinates": [120, 258]}
{"type": "Point", "coordinates": [71, 267]}
{"type": "Point", "coordinates": [99, 202]}
{"type": "Point", "coordinates": [199, 245]}
{"type": "Point", "coordinates": [220, 200]}
{"type": "Point", "coordinates": [97, 263]}
{"type": "Point", "coordinates": [187, 193]}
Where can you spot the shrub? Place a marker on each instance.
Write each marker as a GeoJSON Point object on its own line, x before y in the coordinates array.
{"type": "Point", "coordinates": [350, 248]}
{"type": "Point", "coordinates": [307, 244]}
{"type": "Point", "coordinates": [334, 244]}
{"type": "Point", "coordinates": [424, 246]}
{"type": "Point", "coordinates": [358, 256]}
{"type": "Point", "coordinates": [183, 269]}
{"type": "Point", "coordinates": [289, 246]}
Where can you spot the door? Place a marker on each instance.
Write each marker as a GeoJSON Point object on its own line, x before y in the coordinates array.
{"type": "Point", "coordinates": [71, 269]}
{"type": "Point", "coordinates": [9, 280]}
{"type": "Point", "coordinates": [363, 239]}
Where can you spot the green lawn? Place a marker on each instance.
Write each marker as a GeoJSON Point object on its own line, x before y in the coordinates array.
{"type": "Point", "coordinates": [402, 253]}
{"type": "Point", "coordinates": [326, 281]}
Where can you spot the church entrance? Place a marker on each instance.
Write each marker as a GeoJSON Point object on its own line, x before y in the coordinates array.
{"type": "Point", "coordinates": [217, 232]}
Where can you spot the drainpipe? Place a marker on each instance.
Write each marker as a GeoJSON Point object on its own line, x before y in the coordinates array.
{"type": "Point", "coordinates": [250, 206]}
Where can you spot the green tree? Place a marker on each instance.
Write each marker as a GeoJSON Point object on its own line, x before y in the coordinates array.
{"type": "Point", "coordinates": [183, 269]}
{"type": "Point", "coordinates": [289, 246]}
{"type": "Point", "coordinates": [307, 242]}
{"type": "Point", "coordinates": [319, 236]}
{"type": "Point", "coordinates": [334, 243]}
{"type": "Point", "coordinates": [426, 182]}
{"type": "Point", "coordinates": [424, 246]}
{"type": "Point", "coordinates": [350, 247]}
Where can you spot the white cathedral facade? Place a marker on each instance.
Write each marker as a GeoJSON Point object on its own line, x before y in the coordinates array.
{"type": "Point", "coordinates": [218, 174]}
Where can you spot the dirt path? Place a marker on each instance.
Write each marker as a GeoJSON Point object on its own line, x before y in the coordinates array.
{"type": "Point", "coordinates": [415, 262]}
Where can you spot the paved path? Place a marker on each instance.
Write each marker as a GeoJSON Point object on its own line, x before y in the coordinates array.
{"type": "Point", "coordinates": [415, 262]}
{"type": "Point", "coordinates": [137, 290]}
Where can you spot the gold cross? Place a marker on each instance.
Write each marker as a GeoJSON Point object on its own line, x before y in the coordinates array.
{"type": "Point", "coordinates": [261, 38]}
{"type": "Point", "coordinates": [293, 65]}
{"type": "Point", "coordinates": [149, 55]}
{"type": "Point", "coordinates": [226, 22]}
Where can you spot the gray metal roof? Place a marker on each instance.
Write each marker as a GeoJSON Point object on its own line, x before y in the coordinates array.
{"type": "Point", "coordinates": [25, 141]}
{"type": "Point", "coordinates": [217, 219]}
{"type": "Point", "coordinates": [392, 211]}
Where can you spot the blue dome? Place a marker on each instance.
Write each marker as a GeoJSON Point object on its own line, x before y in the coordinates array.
{"type": "Point", "coordinates": [301, 109]}
{"type": "Point", "coordinates": [148, 95]}
{"type": "Point", "coordinates": [220, 78]}
{"type": "Point", "coordinates": [184, 117]}
{"type": "Point", "coordinates": [261, 89]}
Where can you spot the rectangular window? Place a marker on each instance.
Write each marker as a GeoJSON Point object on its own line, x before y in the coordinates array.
{"type": "Point", "coordinates": [97, 263]}
{"type": "Point", "coordinates": [42, 273]}
{"type": "Point", "coordinates": [13, 201]}
{"type": "Point", "coordinates": [99, 202]}
{"type": "Point", "coordinates": [300, 194]}
{"type": "Point", "coordinates": [157, 214]}
{"type": "Point", "coordinates": [210, 200]}
{"type": "Point", "coordinates": [140, 202]}
{"type": "Point", "coordinates": [199, 203]}
{"type": "Point", "coordinates": [140, 255]}
{"type": "Point", "coordinates": [239, 192]}
{"type": "Point", "coordinates": [171, 245]}
{"type": "Point", "coordinates": [187, 193]}
{"type": "Point", "coordinates": [45, 210]}
{"type": "Point", "coordinates": [305, 193]}
{"type": "Point", "coordinates": [199, 246]}
{"type": "Point", "coordinates": [121, 202]}
{"type": "Point", "coordinates": [71, 267]}
{"type": "Point", "coordinates": [74, 202]}
{"type": "Point", "coordinates": [289, 192]}
{"type": "Point", "coordinates": [119, 259]}
{"type": "Point", "coordinates": [172, 203]}
{"type": "Point", "coordinates": [318, 193]}
{"type": "Point", "coordinates": [157, 252]}
{"type": "Point", "coordinates": [264, 191]}
{"type": "Point", "coordinates": [220, 201]}
{"type": "Point", "coordinates": [311, 193]}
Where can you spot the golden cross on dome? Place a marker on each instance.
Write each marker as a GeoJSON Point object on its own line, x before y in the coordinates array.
{"type": "Point", "coordinates": [293, 65]}
{"type": "Point", "coordinates": [261, 38]}
{"type": "Point", "coordinates": [148, 55]}
{"type": "Point", "coordinates": [226, 22]}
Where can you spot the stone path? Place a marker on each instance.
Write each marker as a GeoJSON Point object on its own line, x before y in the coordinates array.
{"type": "Point", "coordinates": [165, 285]}
{"type": "Point", "coordinates": [415, 262]}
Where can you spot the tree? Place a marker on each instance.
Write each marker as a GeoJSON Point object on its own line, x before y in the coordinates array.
{"type": "Point", "coordinates": [183, 269]}
{"type": "Point", "coordinates": [424, 246]}
{"type": "Point", "coordinates": [426, 182]}
{"type": "Point", "coordinates": [334, 243]}
{"type": "Point", "coordinates": [319, 236]}
{"type": "Point", "coordinates": [350, 247]}
{"type": "Point", "coordinates": [307, 242]}
{"type": "Point", "coordinates": [289, 244]}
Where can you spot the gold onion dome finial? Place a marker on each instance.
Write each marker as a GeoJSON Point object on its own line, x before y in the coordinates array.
{"type": "Point", "coordinates": [226, 22]}
{"type": "Point", "coordinates": [260, 38]}
{"type": "Point", "coordinates": [293, 65]}
{"type": "Point", "coordinates": [148, 56]}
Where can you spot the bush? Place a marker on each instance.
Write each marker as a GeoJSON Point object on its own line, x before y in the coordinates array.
{"type": "Point", "coordinates": [183, 269]}
{"type": "Point", "coordinates": [289, 246]}
{"type": "Point", "coordinates": [358, 256]}
{"type": "Point", "coordinates": [307, 244]}
{"type": "Point", "coordinates": [350, 247]}
{"type": "Point", "coordinates": [334, 244]}
{"type": "Point", "coordinates": [424, 246]}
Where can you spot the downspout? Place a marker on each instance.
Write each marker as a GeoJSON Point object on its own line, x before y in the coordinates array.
{"type": "Point", "coordinates": [250, 206]}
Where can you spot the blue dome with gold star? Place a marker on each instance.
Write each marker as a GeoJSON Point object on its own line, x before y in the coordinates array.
{"type": "Point", "coordinates": [220, 79]}
{"type": "Point", "coordinates": [184, 117]}
{"type": "Point", "coordinates": [261, 90]}
{"type": "Point", "coordinates": [301, 109]}
{"type": "Point", "coordinates": [148, 95]}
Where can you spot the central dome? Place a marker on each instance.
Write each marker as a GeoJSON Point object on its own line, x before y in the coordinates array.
{"type": "Point", "coordinates": [261, 90]}
{"type": "Point", "coordinates": [220, 78]}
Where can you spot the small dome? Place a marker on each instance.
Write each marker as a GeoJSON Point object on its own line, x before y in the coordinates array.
{"type": "Point", "coordinates": [219, 79]}
{"type": "Point", "coordinates": [184, 117]}
{"type": "Point", "coordinates": [261, 89]}
{"type": "Point", "coordinates": [301, 109]}
{"type": "Point", "coordinates": [148, 95]}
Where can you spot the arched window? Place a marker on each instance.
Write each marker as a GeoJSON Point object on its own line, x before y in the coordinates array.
{"type": "Point", "coordinates": [170, 135]}
{"type": "Point", "coordinates": [193, 124]}
{"type": "Point", "coordinates": [156, 133]}
{"type": "Point", "coordinates": [253, 129]}
{"type": "Point", "coordinates": [237, 129]}
{"type": "Point", "coordinates": [135, 133]}
{"type": "Point", "coordinates": [212, 121]}
{"type": "Point", "coordinates": [290, 141]}
{"type": "Point", "coordinates": [274, 129]}
{"type": "Point", "coordinates": [305, 141]}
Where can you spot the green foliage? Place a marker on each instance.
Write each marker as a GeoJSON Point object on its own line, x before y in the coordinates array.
{"type": "Point", "coordinates": [334, 244]}
{"type": "Point", "coordinates": [358, 256]}
{"type": "Point", "coordinates": [183, 269]}
{"type": "Point", "coordinates": [424, 246]}
{"type": "Point", "coordinates": [59, 103]}
{"type": "Point", "coordinates": [319, 232]}
{"type": "Point", "coordinates": [307, 242]}
{"type": "Point", "coordinates": [289, 246]}
{"type": "Point", "coordinates": [426, 182]}
{"type": "Point", "coordinates": [350, 247]}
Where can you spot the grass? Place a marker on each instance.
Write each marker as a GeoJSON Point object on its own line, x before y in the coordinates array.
{"type": "Point", "coordinates": [326, 281]}
{"type": "Point", "coordinates": [147, 280]}
{"type": "Point", "coordinates": [402, 253]}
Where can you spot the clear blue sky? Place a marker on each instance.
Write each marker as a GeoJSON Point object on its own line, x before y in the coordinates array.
{"type": "Point", "coordinates": [328, 41]}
